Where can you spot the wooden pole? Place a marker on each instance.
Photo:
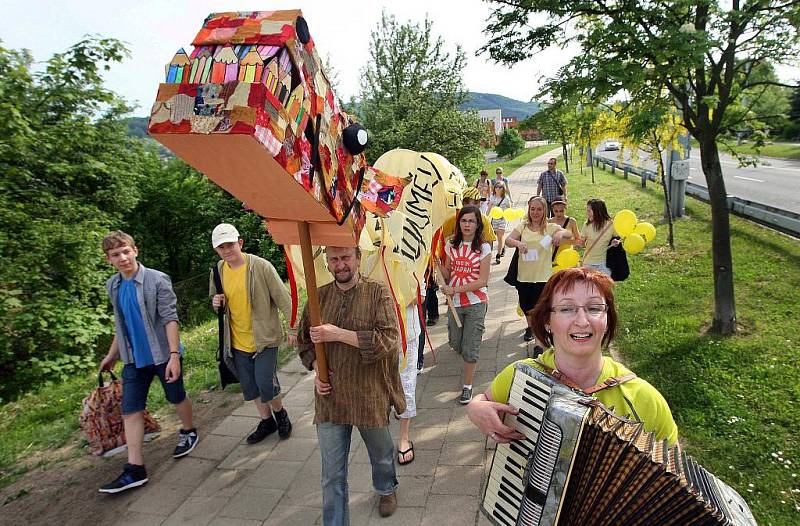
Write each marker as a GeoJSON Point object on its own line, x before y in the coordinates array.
{"type": "Point", "coordinates": [449, 300]}
{"type": "Point", "coordinates": [313, 299]}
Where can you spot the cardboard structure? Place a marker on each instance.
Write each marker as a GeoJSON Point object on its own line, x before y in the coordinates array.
{"type": "Point", "coordinates": [252, 109]}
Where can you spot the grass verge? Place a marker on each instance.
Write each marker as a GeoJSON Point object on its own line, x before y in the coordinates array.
{"type": "Point", "coordinates": [47, 419]}
{"type": "Point", "coordinates": [736, 399]}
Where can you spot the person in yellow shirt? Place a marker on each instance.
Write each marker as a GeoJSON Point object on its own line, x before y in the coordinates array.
{"type": "Point", "coordinates": [534, 238]}
{"type": "Point", "coordinates": [251, 296]}
{"type": "Point", "coordinates": [577, 318]}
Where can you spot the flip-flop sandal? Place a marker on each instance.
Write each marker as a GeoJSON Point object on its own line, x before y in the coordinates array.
{"type": "Point", "coordinates": [406, 452]}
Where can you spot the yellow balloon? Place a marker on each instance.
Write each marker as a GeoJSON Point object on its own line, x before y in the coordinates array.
{"type": "Point", "coordinates": [496, 212]}
{"type": "Point", "coordinates": [624, 222]}
{"type": "Point", "coordinates": [646, 230]}
{"type": "Point", "coordinates": [520, 213]}
{"type": "Point", "coordinates": [509, 214]}
{"type": "Point", "coordinates": [519, 312]}
{"type": "Point", "coordinates": [567, 258]}
{"type": "Point", "coordinates": [633, 244]}
{"type": "Point", "coordinates": [557, 268]}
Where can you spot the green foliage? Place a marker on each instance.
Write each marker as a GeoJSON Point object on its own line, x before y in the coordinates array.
{"type": "Point", "coordinates": [410, 95]}
{"type": "Point", "coordinates": [510, 143]}
{"type": "Point", "coordinates": [69, 173]}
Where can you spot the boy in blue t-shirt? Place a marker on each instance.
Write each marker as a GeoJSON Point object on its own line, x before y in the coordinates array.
{"type": "Point", "coordinates": [146, 340]}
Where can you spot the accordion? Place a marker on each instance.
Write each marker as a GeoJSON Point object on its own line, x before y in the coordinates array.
{"type": "Point", "coordinates": [582, 465]}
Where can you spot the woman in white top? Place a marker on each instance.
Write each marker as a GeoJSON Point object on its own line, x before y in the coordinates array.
{"type": "Point", "coordinates": [500, 199]}
{"type": "Point", "coordinates": [535, 239]}
{"type": "Point", "coordinates": [596, 236]}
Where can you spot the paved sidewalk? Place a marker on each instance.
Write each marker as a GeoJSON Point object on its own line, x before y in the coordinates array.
{"type": "Point", "coordinates": [227, 482]}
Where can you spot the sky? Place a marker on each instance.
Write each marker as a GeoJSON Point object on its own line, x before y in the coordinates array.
{"type": "Point", "coordinates": [155, 30]}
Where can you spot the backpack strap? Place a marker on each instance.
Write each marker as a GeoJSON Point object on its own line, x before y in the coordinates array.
{"type": "Point", "coordinates": [566, 380]}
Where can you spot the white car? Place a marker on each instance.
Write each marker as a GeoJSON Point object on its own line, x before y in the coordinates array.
{"type": "Point", "coordinates": [611, 146]}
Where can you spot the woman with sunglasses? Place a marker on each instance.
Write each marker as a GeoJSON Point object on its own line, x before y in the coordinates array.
{"type": "Point", "coordinates": [576, 317]}
{"type": "Point", "coordinates": [466, 270]}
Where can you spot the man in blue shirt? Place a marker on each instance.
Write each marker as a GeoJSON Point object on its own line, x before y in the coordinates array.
{"type": "Point", "coordinates": [146, 339]}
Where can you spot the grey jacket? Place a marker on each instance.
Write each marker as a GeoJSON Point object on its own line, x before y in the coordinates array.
{"type": "Point", "coordinates": [157, 303]}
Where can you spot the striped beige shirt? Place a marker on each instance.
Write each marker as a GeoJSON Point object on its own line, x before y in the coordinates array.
{"type": "Point", "coordinates": [365, 380]}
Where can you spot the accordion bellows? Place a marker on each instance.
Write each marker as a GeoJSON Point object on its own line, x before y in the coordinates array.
{"type": "Point", "coordinates": [582, 465]}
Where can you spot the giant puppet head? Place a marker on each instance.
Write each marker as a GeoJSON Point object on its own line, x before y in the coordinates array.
{"type": "Point", "coordinates": [252, 109]}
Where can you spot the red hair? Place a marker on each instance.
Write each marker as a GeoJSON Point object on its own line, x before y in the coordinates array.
{"type": "Point", "coordinates": [564, 281]}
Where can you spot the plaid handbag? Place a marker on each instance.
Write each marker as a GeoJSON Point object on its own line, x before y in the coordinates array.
{"type": "Point", "coordinates": [101, 417]}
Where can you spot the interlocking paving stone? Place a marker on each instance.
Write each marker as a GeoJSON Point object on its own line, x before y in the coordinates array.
{"type": "Point", "coordinates": [251, 503]}
{"type": "Point", "coordinates": [196, 510]}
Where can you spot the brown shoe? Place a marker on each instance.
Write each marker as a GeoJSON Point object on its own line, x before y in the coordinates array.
{"type": "Point", "coordinates": [388, 504]}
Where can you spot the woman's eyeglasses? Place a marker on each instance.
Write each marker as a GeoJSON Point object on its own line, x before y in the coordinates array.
{"type": "Point", "coordinates": [594, 310]}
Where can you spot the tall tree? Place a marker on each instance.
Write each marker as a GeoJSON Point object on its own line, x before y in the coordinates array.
{"type": "Point", "coordinates": [410, 94]}
{"type": "Point", "coordinates": [68, 173]}
{"type": "Point", "coordinates": [704, 53]}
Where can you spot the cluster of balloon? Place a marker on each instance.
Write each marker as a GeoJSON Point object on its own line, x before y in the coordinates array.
{"type": "Point", "coordinates": [633, 232]}
{"type": "Point", "coordinates": [509, 214]}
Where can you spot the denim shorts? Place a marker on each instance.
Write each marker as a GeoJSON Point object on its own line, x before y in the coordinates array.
{"type": "Point", "coordinates": [136, 384]}
{"type": "Point", "coordinates": [258, 373]}
{"type": "Point", "coordinates": [466, 340]}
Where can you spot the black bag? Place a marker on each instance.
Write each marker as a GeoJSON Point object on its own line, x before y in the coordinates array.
{"type": "Point", "coordinates": [226, 366]}
{"type": "Point", "coordinates": [617, 261]}
{"type": "Point", "coordinates": [511, 275]}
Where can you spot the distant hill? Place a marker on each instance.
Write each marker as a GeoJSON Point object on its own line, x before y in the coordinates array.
{"type": "Point", "coordinates": [508, 107]}
{"type": "Point", "coordinates": [137, 126]}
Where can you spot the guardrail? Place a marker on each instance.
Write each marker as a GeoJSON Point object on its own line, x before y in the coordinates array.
{"type": "Point", "coordinates": [773, 217]}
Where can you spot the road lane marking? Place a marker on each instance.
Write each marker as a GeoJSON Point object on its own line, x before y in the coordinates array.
{"type": "Point", "coordinates": [748, 179]}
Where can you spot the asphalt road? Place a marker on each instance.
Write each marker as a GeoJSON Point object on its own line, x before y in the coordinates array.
{"type": "Point", "coordinates": [774, 182]}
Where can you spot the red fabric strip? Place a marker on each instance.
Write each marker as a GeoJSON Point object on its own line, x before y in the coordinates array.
{"type": "Point", "coordinates": [292, 287]}
{"type": "Point", "coordinates": [394, 298]}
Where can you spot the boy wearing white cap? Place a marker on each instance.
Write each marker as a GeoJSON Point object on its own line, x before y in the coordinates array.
{"type": "Point", "coordinates": [251, 292]}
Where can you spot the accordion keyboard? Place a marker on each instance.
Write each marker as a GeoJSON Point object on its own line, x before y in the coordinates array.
{"type": "Point", "coordinates": [506, 485]}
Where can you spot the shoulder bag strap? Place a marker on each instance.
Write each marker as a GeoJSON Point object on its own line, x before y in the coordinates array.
{"type": "Point", "coordinates": [586, 252]}
{"type": "Point", "coordinates": [220, 312]}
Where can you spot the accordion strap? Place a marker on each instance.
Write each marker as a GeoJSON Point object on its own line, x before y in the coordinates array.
{"type": "Point", "coordinates": [612, 381]}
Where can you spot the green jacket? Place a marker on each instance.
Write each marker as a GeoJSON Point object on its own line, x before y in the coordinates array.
{"type": "Point", "coordinates": [265, 291]}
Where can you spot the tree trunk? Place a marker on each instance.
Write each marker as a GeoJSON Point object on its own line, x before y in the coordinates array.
{"type": "Point", "coordinates": [566, 156]}
{"type": "Point", "coordinates": [724, 305]}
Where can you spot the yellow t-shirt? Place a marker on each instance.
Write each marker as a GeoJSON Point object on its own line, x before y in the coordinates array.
{"type": "Point", "coordinates": [234, 282]}
{"type": "Point", "coordinates": [540, 269]}
{"type": "Point", "coordinates": [597, 255]}
{"type": "Point", "coordinates": [651, 407]}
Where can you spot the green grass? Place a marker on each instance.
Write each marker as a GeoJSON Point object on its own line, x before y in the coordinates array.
{"type": "Point", "coordinates": [777, 150]}
{"type": "Point", "coordinates": [47, 419]}
{"type": "Point", "coordinates": [736, 399]}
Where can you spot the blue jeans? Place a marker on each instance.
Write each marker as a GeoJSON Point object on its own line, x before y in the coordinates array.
{"type": "Point", "coordinates": [334, 448]}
